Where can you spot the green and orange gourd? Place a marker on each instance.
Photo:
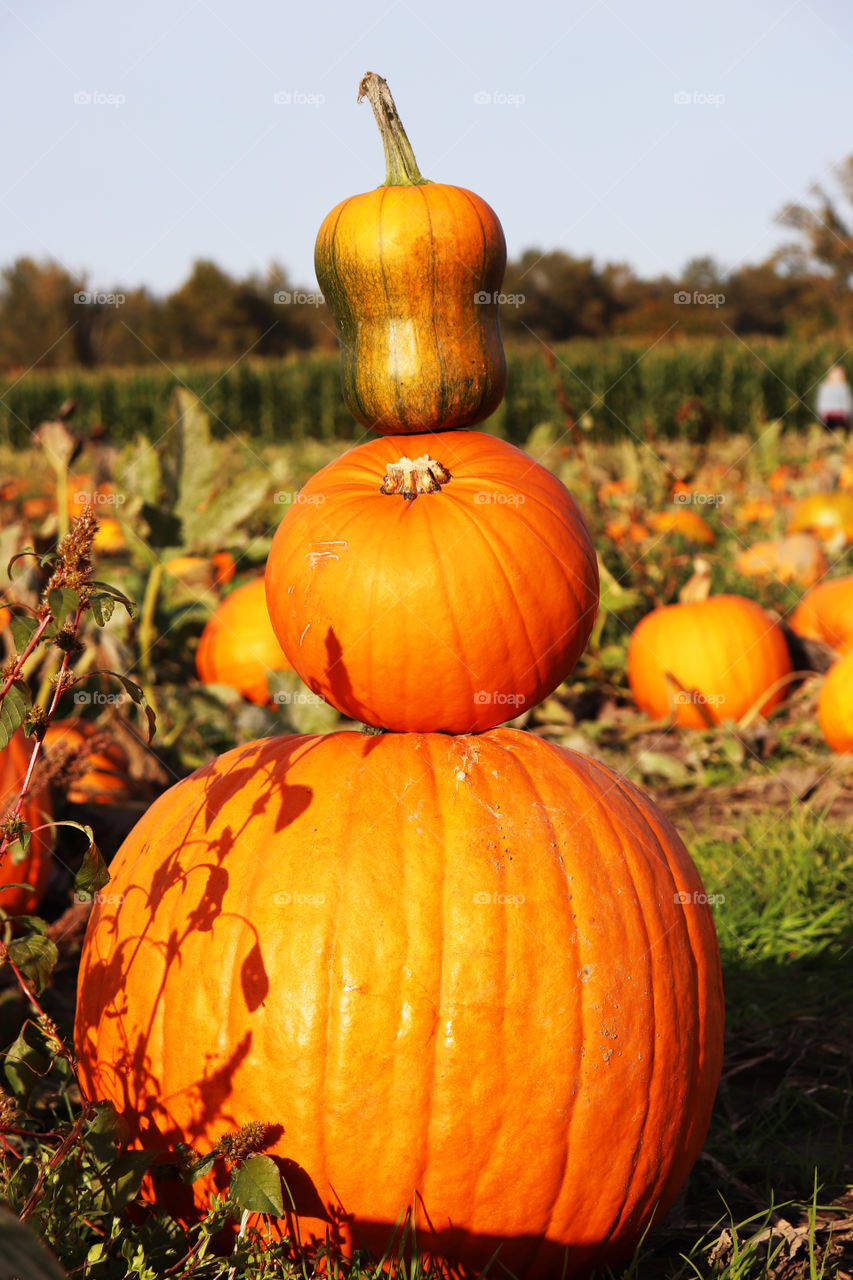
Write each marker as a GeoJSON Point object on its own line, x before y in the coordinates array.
{"type": "Point", "coordinates": [449, 969]}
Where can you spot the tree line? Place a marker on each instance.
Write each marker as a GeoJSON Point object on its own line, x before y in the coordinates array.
{"type": "Point", "coordinates": [50, 317]}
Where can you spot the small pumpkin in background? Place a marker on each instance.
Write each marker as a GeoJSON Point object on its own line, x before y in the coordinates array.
{"type": "Point", "coordinates": [835, 703]}
{"type": "Point", "coordinates": [826, 613]}
{"type": "Point", "coordinates": [827, 515]}
{"type": "Point", "coordinates": [756, 511]}
{"type": "Point", "coordinates": [684, 521]}
{"type": "Point", "coordinates": [446, 590]}
{"type": "Point", "coordinates": [98, 768]}
{"type": "Point", "coordinates": [797, 558]}
{"type": "Point", "coordinates": [706, 661]}
{"type": "Point", "coordinates": [412, 272]}
{"type": "Point", "coordinates": [238, 646]}
{"type": "Point", "coordinates": [34, 869]}
{"type": "Point", "coordinates": [202, 571]}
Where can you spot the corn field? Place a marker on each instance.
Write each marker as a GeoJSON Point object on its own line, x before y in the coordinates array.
{"type": "Point", "coordinates": [611, 388]}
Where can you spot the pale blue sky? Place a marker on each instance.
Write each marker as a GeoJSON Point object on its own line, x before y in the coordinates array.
{"type": "Point", "coordinates": [182, 151]}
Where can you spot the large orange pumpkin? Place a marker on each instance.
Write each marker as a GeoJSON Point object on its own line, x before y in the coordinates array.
{"type": "Point", "coordinates": [34, 870]}
{"type": "Point", "coordinates": [708, 660]}
{"type": "Point", "coordinates": [238, 646]}
{"type": "Point", "coordinates": [826, 612]}
{"type": "Point", "coordinates": [412, 273]}
{"type": "Point", "coordinates": [835, 704]}
{"type": "Point", "coordinates": [450, 611]}
{"type": "Point", "coordinates": [479, 971]}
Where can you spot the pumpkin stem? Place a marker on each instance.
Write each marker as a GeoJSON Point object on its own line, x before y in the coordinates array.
{"type": "Point", "coordinates": [401, 167]}
{"type": "Point", "coordinates": [410, 478]}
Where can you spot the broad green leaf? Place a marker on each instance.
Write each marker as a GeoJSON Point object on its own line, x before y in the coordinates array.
{"type": "Point", "coordinates": [107, 589]}
{"type": "Point", "coordinates": [24, 1063]}
{"type": "Point", "coordinates": [62, 601]}
{"type": "Point", "coordinates": [14, 706]}
{"type": "Point", "coordinates": [256, 1186]}
{"type": "Point", "coordinates": [35, 956]}
{"type": "Point", "coordinates": [102, 607]}
{"type": "Point", "coordinates": [209, 529]}
{"type": "Point", "coordinates": [102, 1134]}
{"type": "Point", "coordinates": [656, 764]}
{"type": "Point", "coordinates": [93, 873]}
{"type": "Point", "coordinates": [117, 1182]}
{"type": "Point", "coordinates": [24, 626]}
{"type": "Point", "coordinates": [136, 695]}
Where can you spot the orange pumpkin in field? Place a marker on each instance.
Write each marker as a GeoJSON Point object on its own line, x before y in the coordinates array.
{"type": "Point", "coordinates": [34, 870]}
{"type": "Point", "coordinates": [202, 571]}
{"type": "Point", "coordinates": [527, 977]}
{"type": "Point", "coordinates": [238, 646]}
{"type": "Point", "coordinates": [446, 593]}
{"type": "Point", "coordinates": [797, 558]}
{"type": "Point", "coordinates": [835, 704]}
{"type": "Point", "coordinates": [105, 780]}
{"type": "Point", "coordinates": [826, 612]}
{"type": "Point", "coordinates": [707, 661]}
{"type": "Point", "coordinates": [827, 515]}
{"type": "Point", "coordinates": [684, 521]}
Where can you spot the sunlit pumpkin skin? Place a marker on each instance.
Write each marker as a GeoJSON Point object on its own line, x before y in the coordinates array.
{"type": "Point", "coordinates": [453, 611]}
{"type": "Point", "coordinates": [826, 612]}
{"type": "Point", "coordinates": [238, 647]}
{"type": "Point", "coordinates": [476, 970]}
{"type": "Point", "coordinates": [412, 272]}
{"type": "Point", "coordinates": [797, 558]}
{"type": "Point", "coordinates": [723, 652]}
{"type": "Point", "coordinates": [835, 704]}
{"type": "Point", "coordinates": [36, 811]}
{"type": "Point", "coordinates": [827, 515]}
{"type": "Point", "coordinates": [106, 780]}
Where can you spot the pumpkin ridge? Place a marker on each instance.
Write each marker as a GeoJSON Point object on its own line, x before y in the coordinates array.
{"type": "Point", "coordinates": [443, 408]}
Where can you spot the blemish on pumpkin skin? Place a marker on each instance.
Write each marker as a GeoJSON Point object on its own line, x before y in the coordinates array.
{"type": "Point", "coordinates": [325, 552]}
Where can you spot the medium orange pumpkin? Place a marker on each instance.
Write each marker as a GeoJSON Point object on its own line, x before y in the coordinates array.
{"type": "Point", "coordinates": [34, 870]}
{"type": "Point", "coordinates": [455, 968]}
{"type": "Point", "coordinates": [797, 558]}
{"type": "Point", "coordinates": [412, 273]}
{"type": "Point", "coordinates": [722, 654]}
{"type": "Point", "coordinates": [454, 610]}
{"type": "Point", "coordinates": [201, 571]}
{"type": "Point", "coordinates": [105, 780]}
{"type": "Point", "coordinates": [826, 612]}
{"type": "Point", "coordinates": [827, 515]}
{"type": "Point", "coordinates": [238, 647]}
{"type": "Point", "coordinates": [835, 704]}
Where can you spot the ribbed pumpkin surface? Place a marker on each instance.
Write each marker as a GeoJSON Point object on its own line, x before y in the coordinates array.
{"type": "Point", "coordinates": [724, 652]}
{"type": "Point", "coordinates": [489, 978]}
{"type": "Point", "coordinates": [37, 809]}
{"type": "Point", "coordinates": [451, 612]}
{"type": "Point", "coordinates": [406, 271]}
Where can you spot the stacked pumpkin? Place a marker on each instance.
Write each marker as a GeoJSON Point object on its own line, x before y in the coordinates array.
{"type": "Point", "coordinates": [460, 970]}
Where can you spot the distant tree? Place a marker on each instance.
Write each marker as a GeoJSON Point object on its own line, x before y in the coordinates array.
{"type": "Point", "coordinates": [825, 248]}
{"type": "Point", "coordinates": [564, 297]}
{"type": "Point", "coordinates": [40, 324]}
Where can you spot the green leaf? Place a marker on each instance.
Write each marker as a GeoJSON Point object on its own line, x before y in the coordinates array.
{"type": "Point", "coordinates": [656, 764]}
{"type": "Point", "coordinates": [107, 589]}
{"type": "Point", "coordinates": [136, 695]}
{"type": "Point", "coordinates": [24, 1063]}
{"type": "Point", "coordinates": [302, 710]}
{"type": "Point", "coordinates": [103, 607]}
{"type": "Point", "coordinates": [256, 1186]}
{"type": "Point", "coordinates": [209, 529]}
{"type": "Point", "coordinates": [93, 873]}
{"type": "Point", "coordinates": [24, 626]}
{"type": "Point", "coordinates": [62, 601]}
{"type": "Point", "coordinates": [117, 1182]}
{"type": "Point", "coordinates": [35, 956]}
{"type": "Point", "coordinates": [19, 555]}
{"type": "Point", "coordinates": [14, 706]}
{"type": "Point", "coordinates": [102, 1134]}
{"type": "Point", "coordinates": [199, 1168]}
